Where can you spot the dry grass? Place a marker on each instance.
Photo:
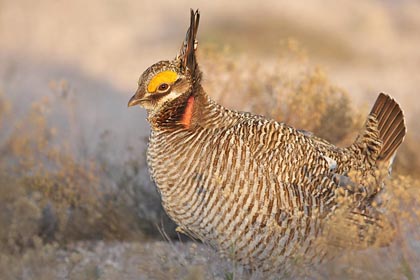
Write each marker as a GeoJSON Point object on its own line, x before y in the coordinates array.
{"type": "Point", "coordinates": [59, 198]}
{"type": "Point", "coordinates": [51, 197]}
{"type": "Point", "coordinates": [48, 193]}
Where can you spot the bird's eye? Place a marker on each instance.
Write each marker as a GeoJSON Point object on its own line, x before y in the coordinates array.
{"type": "Point", "coordinates": [163, 87]}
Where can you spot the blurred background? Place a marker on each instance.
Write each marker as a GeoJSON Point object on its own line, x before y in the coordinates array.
{"type": "Point", "coordinates": [76, 200]}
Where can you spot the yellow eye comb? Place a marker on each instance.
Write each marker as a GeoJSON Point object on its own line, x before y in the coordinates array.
{"type": "Point", "coordinates": [168, 77]}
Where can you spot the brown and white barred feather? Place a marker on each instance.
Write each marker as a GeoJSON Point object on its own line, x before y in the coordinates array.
{"type": "Point", "coordinates": [252, 186]}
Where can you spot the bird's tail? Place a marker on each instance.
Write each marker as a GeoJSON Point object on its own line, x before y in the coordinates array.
{"type": "Point", "coordinates": [384, 131]}
{"type": "Point", "coordinates": [391, 125]}
{"type": "Point", "coordinates": [375, 147]}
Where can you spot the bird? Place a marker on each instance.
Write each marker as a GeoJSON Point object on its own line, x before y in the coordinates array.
{"type": "Point", "coordinates": [257, 190]}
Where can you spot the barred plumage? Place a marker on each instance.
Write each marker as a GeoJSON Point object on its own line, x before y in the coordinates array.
{"type": "Point", "coordinates": [255, 189]}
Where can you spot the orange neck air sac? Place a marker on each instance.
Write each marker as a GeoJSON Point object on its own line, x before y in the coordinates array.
{"type": "Point", "coordinates": [188, 113]}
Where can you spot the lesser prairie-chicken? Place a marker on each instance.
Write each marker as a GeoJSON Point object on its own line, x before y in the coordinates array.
{"type": "Point", "coordinates": [256, 189]}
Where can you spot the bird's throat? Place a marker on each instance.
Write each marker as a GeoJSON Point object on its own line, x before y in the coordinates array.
{"type": "Point", "coordinates": [188, 112]}
{"type": "Point", "coordinates": [180, 113]}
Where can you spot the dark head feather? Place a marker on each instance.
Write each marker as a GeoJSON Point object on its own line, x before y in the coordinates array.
{"type": "Point", "coordinates": [187, 52]}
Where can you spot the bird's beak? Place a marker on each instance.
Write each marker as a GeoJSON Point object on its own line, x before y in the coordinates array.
{"type": "Point", "coordinates": [134, 100]}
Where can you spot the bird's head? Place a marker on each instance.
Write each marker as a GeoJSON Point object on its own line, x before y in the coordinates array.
{"type": "Point", "coordinates": [168, 85]}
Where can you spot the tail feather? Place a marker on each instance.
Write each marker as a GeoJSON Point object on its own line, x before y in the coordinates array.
{"type": "Point", "coordinates": [390, 125]}
{"type": "Point", "coordinates": [383, 133]}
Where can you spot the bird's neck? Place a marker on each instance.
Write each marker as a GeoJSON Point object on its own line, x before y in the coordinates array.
{"type": "Point", "coordinates": [182, 113]}
{"type": "Point", "coordinates": [187, 116]}
{"type": "Point", "coordinates": [191, 111]}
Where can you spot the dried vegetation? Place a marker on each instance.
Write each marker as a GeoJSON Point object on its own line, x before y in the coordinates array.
{"type": "Point", "coordinates": [52, 197]}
